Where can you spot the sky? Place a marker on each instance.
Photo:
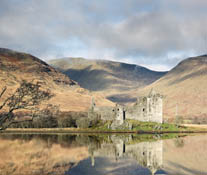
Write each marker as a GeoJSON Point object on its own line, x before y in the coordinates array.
{"type": "Point", "coordinates": [157, 34]}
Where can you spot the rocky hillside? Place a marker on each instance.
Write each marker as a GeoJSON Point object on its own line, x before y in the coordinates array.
{"type": "Point", "coordinates": [16, 66]}
{"type": "Point", "coordinates": [114, 79]}
{"type": "Point", "coordinates": [184, 88]}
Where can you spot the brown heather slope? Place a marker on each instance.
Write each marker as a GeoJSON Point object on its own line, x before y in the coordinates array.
{"type": "Point", "coordinates": [186, 86]}
{"type": "Point", "coordinates": [113, 79]}
{"type": "Point", "coordinates": [16, 66]}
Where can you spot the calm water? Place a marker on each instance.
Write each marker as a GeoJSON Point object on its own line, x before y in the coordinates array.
{"type": "Point", "coordinates": [102, 154]}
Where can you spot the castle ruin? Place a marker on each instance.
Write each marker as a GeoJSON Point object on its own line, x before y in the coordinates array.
{"type": "Point", "coordinates": [146, 109]}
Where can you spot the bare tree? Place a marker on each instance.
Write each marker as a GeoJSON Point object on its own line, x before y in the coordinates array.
{"type": "Point", "coordinates": [28, 96]}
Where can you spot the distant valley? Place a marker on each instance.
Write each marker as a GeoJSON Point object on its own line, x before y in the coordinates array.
{"type": "Point", "coordinates": [74, 81]}
{"type": "Point", "coordinates": [183, 87]}
{"type": "Point", "coordinates": [113, 79]}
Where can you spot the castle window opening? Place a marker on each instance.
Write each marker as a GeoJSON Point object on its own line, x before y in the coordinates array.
{"type": "Point", "coordinates": [124, 148]}
{"type": "Point", "coordinates": [124, 115]}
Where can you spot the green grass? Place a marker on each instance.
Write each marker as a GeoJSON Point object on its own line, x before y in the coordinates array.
{"type": "Point", "coordinates": [103, 127]}
{"type": "Point", "coordinates": [152, 126]}
{"type": "Point", "coordinates": [143, 127]}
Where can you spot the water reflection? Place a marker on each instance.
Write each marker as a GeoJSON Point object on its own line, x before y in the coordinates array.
{"type": "Point", "coordinates": [146, 154]}
{"type": "Point", "coordinates": [101, 154]}
{"type": "Point", "coordinates": [39, 154]}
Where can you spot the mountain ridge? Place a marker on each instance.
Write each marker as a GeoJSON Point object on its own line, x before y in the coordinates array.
{"type": "Point", "coordinates": [184, 88]}
{"type": "Point", "coordinates": [111, 78]}
{"type": "Point", "coordinates": [17, 66]}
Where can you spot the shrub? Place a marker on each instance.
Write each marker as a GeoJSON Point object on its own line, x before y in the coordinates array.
{"type": "Point", "coordinates": [45, 122]}
{"type": "Point", "coordinates": [95, 122]}
{"type": "Point", "coordinates": [64, 122]}
{"type": "Point", "coordinates": [83, 123]}
{"type": "Point", "coordinates": [178, 119]}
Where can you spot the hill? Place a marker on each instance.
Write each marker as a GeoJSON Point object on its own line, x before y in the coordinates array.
{"type": "Point", "coordinates": [184, 88]}
{"type": "Point", "coordinates": [17, 66]}
{"type": "Point", "coordinates": [113, 79]}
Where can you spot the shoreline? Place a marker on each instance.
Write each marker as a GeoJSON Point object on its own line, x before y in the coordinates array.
{"type": "Point", "coordinates": [76, 130]}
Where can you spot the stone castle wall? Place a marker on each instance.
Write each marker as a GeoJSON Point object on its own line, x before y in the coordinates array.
{"type": "Point", "coordinates": [146, 109]}
{"type": "Point", "coordinates": [138, 111]}
{"type": "Point", "coordinates": [105, 113]}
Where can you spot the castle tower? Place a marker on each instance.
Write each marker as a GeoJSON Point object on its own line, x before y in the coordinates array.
{"type": "Point", "coordinates": [120, 114]}
{"type": "Point", "coordinates": [91, 111]}
{"type": "Point", "coordinates": [154, 107]}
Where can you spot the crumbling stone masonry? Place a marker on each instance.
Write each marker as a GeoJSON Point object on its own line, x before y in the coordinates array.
{"type": "Point", "coordinates": [147, 109]}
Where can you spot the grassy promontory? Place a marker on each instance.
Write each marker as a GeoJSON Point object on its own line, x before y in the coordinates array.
{"type": "Point", "coordinates": [135, 127]}
{"type": "Point", "coordinates": [149, 127]}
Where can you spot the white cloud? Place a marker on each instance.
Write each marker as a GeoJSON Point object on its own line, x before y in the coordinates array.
{"type": "Point", "coordinates": [152, 33]}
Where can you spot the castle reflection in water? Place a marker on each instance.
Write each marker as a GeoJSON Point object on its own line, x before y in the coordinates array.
{"type": "Point", "coordinates": [147, 154]}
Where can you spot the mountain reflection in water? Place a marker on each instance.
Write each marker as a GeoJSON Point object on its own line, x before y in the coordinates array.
{"type": "Point", "coordinates": [101, 154]}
